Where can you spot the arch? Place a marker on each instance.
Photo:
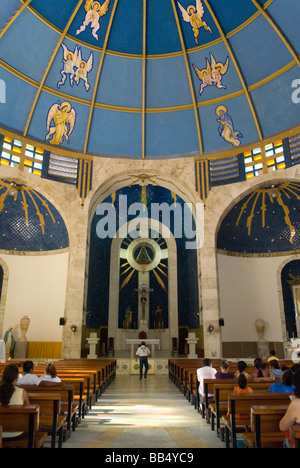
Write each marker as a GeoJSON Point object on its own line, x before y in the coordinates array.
{"type": "Point", "coordinates": [285, 262]}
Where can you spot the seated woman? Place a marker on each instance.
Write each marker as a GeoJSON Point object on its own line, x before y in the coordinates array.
{"type": "Point", "coordinates": [286, 384]}
{"type": "Point", "coordinates": [260, 374]}
{"type": "Point", "coordinates": [224, 374]}
{"type": "Point", "coordinates": [292, 415]}
{"type": "Point", "coordinates": [50, 377]}
{"type": "Point", "coordinates": [12, 395]}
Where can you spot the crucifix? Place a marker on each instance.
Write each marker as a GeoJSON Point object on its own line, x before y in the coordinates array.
{"type": "Point", "coordinates": [143, 291]}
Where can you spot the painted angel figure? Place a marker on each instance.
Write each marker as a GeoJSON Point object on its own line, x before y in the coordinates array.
{"type": "Point", "coordinates": [226, 127]}
{"type": "Point", "coordinates": [193, 15]}
{"type": "Point", "coordinates": [69, 61]}
{"type": "Point", "coordinates": [94, 11]}
{"type": "Point", "coordinates": [83, 68]}
{"type": "Point", "coordinates": [64, 117]}
{"type": "Point", "coordinates": [212, 74]}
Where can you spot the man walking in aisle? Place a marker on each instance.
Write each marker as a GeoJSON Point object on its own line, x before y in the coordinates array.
{"type": "Point", "coordinates": [143, 353]}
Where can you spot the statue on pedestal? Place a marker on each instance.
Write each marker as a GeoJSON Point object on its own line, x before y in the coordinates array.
{"type": "Point", "coordinates": [263, 348]}
{"type": "Point", "coordinates": [158, 318]}
{"type": "Point", "coordinates": [9, 343]}
{"type": "Point", "coordinates": [127, 318]}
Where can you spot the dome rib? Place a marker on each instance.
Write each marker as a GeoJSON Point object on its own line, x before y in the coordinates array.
{"type": "Point", "coordinates": [239, 72]}
{"type": "Point", "coordinates": [185, 55]}
{"type": "Point", "coordinates": [41, 85]}
{"type": "Point", "coordinates": [98, 76]}
{"type": "Point", "coordinates": [144, 79]}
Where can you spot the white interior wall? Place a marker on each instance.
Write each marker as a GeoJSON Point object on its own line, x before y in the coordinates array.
{"type": "Point", "coordinates": [37, 288]}
{"type": "Point", "coordinates": [249, 291]}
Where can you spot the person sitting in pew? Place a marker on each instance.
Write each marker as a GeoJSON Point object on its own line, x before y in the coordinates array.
{"type": "Point", "coordinates": [205, 372]}
{"type": "Point", "coordinates": [12, 395]}
{"type": "Point", "coordinates": [260, 372]}
{"type": "Point", "coordinates": [292, 415]}
{"type": "Point", "coordinates": [272, 356]}
{"type": "Point", "coordinates": [242, 386]}
{"type": "Point", "coordinates": [286, 384]}
{"type": "Point", "coordinates": [242, 366]}
{"type": "Point", "coordinates": [274, 373]}
{"type": "Point", "coordinates": [50, 377]}
{"type": "Point", "coordinates": [28, 377]}
{"type": "Point", "coordinates": [224, 374]}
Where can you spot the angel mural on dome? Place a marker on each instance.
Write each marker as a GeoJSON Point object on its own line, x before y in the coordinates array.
{"type": "Point", "coordinates": [94, 11]}
{"type": "Point", "coordinates": [193, 15]}
{"type": "Point", "coordinates": [75, 67]}
{"type": "Point", "coordinates": [212, 75]}
{"type": "Point", "coordinates": [64, 117]}
{"type": "Point", "coordinates": [226, 127]}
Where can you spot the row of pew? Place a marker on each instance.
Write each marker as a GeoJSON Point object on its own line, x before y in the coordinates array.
{"type": "Point", "coordinates": [55, 412]}
{"type": "Point", "coordinates": [222, 408]}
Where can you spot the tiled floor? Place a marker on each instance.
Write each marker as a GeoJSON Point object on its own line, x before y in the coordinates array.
{"type": "Point", "coordinates": [138, 414]}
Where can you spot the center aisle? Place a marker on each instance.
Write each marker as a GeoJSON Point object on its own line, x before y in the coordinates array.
{"type": "Point", "coordinates": [138, 414]}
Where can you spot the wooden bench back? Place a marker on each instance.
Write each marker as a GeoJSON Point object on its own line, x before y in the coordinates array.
{"type": "Point", "coordinates": [268, 418]}
{"type": "Point", "coordinates": [242, 403]}
{"type": "Point", "coordinates": [20, 418]}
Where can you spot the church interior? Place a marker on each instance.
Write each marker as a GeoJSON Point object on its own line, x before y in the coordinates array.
{"type": "Point", "coordinates": [149, 180]}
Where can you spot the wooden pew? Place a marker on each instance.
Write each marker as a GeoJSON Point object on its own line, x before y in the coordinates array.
{"type": "Point", "coordinates": [51, 421]}
{"type": "Point", "coordinates": [264, 427]}
{"type": "Point", "coordinates": [295, 436]}
{"type": "Point", "coordinates": [68, 405]}
{"type": "Point", "coordinates": [219, 406]}
{"type": "Point", "coordinates": [241, 404]}
{"type": "Point", "coordinates": [22, 418]}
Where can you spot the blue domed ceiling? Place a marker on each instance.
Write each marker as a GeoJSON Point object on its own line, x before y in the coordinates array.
{"type": "Point", "coordinates": [28, 221]}
{"type": "Point", "coordinates": [266, 221]}
{"type": "Point", "coordinates": [149, 78]}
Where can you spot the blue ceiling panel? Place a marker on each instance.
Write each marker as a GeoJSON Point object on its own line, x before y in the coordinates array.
{"type": "Point", "coordinates": [177, 135]}
{"type": "Point", "coordinates": [69, 80]}
{"type": "Point", "coordinates": [236, 114]}
{"type": "Point", "coordinates": [118, 82]}
{"type": "Point", "coordinates": [220, 84]}
{"type": "Point", "coordinates": [127, 32]}
{"type": "Point", "coordinates": [167, 83]}
{"type": "Point", "coordinates": [74, 137]}
{"type": "Point", "coordinates": [275, 105]}
{"type": "Point", "coordinates": [7, 10]}
{"type": "Point", "coordinates": [231, 18]}
{"type": "Point", "coordinates": [116, 133]}
{"type": "Point", "coordinates": [166, 39]}
{"type": "Point", "coordinates": [255, 46]}
{"type": "Point", "coordinates": [29, 46]}
{"type": "Point", "coordinates": [18, 99]}
{"type": "Point", "coordinates": [281, 13]}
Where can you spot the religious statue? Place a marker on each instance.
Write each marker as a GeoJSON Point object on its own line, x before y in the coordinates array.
{"type": "Point", "coordinates": [24, 325]}
{"type": "Point", "coordinates": [144, 293]}
{"type": "Point", "coordinates": [263, 348]}
{"type": "Point", "coordinates": [9, 343]}
{"type": "Point", "coordinates": [158, 318]}
{"type": "Point", "coordinates": [128, 318]}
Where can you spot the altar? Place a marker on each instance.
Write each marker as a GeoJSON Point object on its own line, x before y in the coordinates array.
{"type": "Point", "coordinates": [137, 343]}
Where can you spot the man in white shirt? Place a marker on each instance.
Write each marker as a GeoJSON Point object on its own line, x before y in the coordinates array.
{"type": "Point", "coordinates": [205, 372]}
{"type": "Point", "coordinates": [143, 353]}
{"type": "Point", "coordinates": [28, 378]}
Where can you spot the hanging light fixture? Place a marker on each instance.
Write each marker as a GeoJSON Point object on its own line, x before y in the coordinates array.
{"type": "Point", "coordinates": [273, 193]}
{"type": "Point", "coordinates": [12, 190]}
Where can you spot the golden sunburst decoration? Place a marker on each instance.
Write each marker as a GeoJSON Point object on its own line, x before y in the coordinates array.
{"type": "Point", "coordinates": [138, 259]}
{"type": "Point", "coordinates": [274, 194]}
{"type": "Point", "coordinates": [25, 192]}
